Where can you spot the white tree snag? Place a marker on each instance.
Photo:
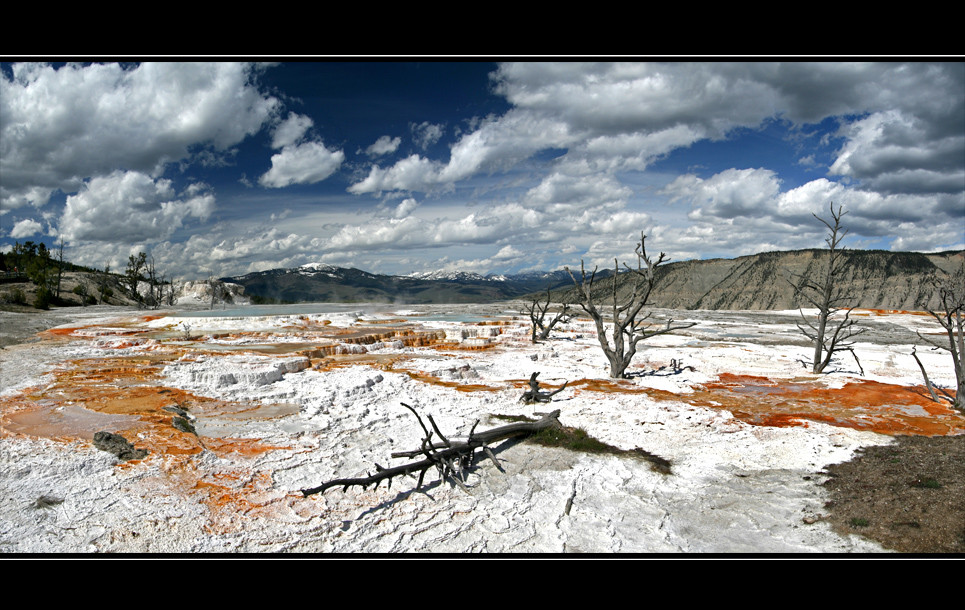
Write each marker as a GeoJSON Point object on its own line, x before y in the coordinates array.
{"type": "Point", "coordinates": [450, 458]}
{"type": "Point", "coordinates": [628, 327]}
{"type": "Point", "coordinates": [537, 315]}
{"type": "Point", "coordinates": [951, 316]}
{"type": "Point", "coordinates": [829, 297]}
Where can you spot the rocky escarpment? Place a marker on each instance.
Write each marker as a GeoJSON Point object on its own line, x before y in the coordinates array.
{"type": "Point", "coordinates": [877, 280]}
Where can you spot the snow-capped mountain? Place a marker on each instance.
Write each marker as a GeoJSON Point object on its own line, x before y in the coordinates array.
{"type": "Point", "coordinates": [878, 279]}
{"type": "Point", "coordinates": [456, 276]}
{"type": "Point", "coordinates": [322, 282]}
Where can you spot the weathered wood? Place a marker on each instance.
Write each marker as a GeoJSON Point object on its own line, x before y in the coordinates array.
{"type": "Point", "coordinates": [537, 315]}
{"type": "Point", "coordinates": [535, 395]}
{"type": "Point", "coordinates": [628, 326]}
{"type": "Point", "coordinates": [448, 456]}
{"type": "Point", "coordinates": [829, 295]}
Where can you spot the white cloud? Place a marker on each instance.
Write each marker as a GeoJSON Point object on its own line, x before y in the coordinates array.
{"type": "Point", "coordinates": [893, 152]}
{"type": "Point", "coordinates": [383, 146]}
{"type": "Point", "coordinates": [302, 164]}
{"type": "Point", "coordinates": [131, 208]}
{"type": "Point", "coordinates": [405, 207]}
{"type": "Point", "coordinates": [63, 126]}
{"type": "Point", "coordinates": [25, 228]}
{"type": "Point", "coordinates": [291, 130]}
{"type": "Point", "coordinates": [508, 253]}
{"type": "Point", "coordinates": [392, 232]}
{"type": "Point", "coordinates": [733, 192]}
{"type": "Point", "coordinates": [426, 134]}
{"type": "Point", "coordinates": [413, 172]}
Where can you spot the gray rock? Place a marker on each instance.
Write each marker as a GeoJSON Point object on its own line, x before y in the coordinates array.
{"type": "Point", "coordinates": [117, 445]}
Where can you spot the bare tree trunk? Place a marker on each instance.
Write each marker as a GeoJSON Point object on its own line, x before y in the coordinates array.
{"type": "Point", "coordinates": [537, 315]}
{"type": "Point", "coordinates": [628, 329]}
{"type": "Point", "coordinates": [951, 316]}
{"type": "Point", "coordinates": [829, 297]}
{"type": "Point", "coordinates": [60, 265]}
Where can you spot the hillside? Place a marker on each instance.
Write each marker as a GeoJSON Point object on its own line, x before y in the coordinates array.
{"type": "Point", "coordinates": [327, 283]}
{"type": "Point", "coordinates": [80, 288]}
{"type": "Point", "coordinates": [878, 279]}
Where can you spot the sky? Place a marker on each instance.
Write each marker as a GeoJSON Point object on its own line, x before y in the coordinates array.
{"type": "Point", "coordinates": [224, 168]}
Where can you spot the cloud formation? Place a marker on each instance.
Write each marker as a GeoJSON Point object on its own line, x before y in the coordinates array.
{"type": "Point", "coordinates": [62, 126]}
{"type": "Point", "coordinates": [131, 207]}
{"type": "Point", "coordinates": [383, 146]}
{"type": "Point", "coordinates": [580, 158]}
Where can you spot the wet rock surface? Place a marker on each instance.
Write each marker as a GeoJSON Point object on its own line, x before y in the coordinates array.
{"type": "Point", "coordinates": [118, 446]}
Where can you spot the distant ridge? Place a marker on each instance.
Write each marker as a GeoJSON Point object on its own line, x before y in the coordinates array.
{"type": "Point", "coordinates": [879, 279]}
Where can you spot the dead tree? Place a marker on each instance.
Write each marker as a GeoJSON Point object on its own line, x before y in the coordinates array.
{"type": "Point", "coordinates": [155, 285]}
{"type": "Point", "coordinates": [951, 316]}
{"type": "Point", "coordinates": [535, 395]}
{"type": "Point", "coordinates": [829, 296]}
{"type": "Point", "coordinates": [537, 315]}
{"type": "Point", "coordinates": [450, 458]}
{"type": "Point", "coordinates": [628, 326]}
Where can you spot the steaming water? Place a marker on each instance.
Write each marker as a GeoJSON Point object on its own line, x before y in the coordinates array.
{"type": "Point", "coordinates": [281, 310]}
{"type": "Point", "coordinates": [435, 313]}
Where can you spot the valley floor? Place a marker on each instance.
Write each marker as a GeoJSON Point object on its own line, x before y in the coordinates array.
{"type": "Point", "coordinates": [758, 448]}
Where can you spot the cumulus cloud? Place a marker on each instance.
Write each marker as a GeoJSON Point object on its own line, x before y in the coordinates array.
{"type": "Point", "coordinates": [62, 126]}
{"type": "Point", "coordinates": [25, 228]}
{"type": "Point", "coordinates": [405, 207]}
{"type": "Point", "coordinates": [745, 211]}
{"type": "Point", "coordinates": [731, 193]}
{"type": "Point", "coordinates": [291, 130]}
{"type": "Point", "coordinates": [383, 146]}
{"type": "Point", "coordinates": [413, 172]}
{"type": "Point", "coordinates": [893, 152]}
{"type": "Point", "coordinates": [302, 164]}
{"type": "Point", "coordinates": [567, 194]}
{"type": "Point", "coordinates": [495, 145]}
{"type": "Point", "coordinates": [623, 116]}
{"type": "Point", "coordinates": [299, 162]}
{"type": "Point", "coordinates": [131, 207]}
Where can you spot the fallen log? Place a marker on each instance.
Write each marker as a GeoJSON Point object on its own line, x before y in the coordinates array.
{"type": "Point", "coordinates": [449, 457]}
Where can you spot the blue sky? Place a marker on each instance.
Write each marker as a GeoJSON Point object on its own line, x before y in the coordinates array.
{"type": "Point", "coordinates": [223, 168]}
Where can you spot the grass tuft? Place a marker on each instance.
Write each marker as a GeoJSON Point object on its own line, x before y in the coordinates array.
{"type": "Point", "coordinates": [577, 439]}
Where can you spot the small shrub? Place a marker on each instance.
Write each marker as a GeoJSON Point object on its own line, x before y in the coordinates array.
{"type": "Point", "coordinates": [17, 296]}
{"type": "Point", "coordinates": [577, 439]}
{"type": "Point", "coordinates": [859, 522]}
{"type": "Point", "coordinates": [43, 298]}
{"type": "Point", "coordinates": [928, 484]}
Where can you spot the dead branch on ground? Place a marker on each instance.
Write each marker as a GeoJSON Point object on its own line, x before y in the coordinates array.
{"type": "Point", "coordinates": [535, 395]}
{"type": "Point", "coordinates": [450, 458]}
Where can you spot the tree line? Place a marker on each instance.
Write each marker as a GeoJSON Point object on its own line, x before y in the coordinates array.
{"type": "Point", "coordinates": [45, 268]}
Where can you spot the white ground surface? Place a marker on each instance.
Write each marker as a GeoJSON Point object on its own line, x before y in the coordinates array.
{"type": "Point", "coordinates": [734, 487]}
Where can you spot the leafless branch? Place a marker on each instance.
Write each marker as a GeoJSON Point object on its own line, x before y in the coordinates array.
{"type": "Point", "coordinates": [449, 457]}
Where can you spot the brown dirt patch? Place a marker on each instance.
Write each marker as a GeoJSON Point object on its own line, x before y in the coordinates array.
{"type": "Point", "coordinates": [908, 496]}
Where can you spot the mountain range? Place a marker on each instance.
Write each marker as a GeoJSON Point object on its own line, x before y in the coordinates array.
{"type": "Point", "coordinates": [877, 279]}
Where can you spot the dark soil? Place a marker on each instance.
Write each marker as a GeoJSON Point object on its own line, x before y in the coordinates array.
{"type": "Point", "coordinates": [908, 496]}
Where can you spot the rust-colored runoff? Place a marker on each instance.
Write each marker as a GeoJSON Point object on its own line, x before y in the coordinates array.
{"type": "Point", "coordinates": [864, 405]}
